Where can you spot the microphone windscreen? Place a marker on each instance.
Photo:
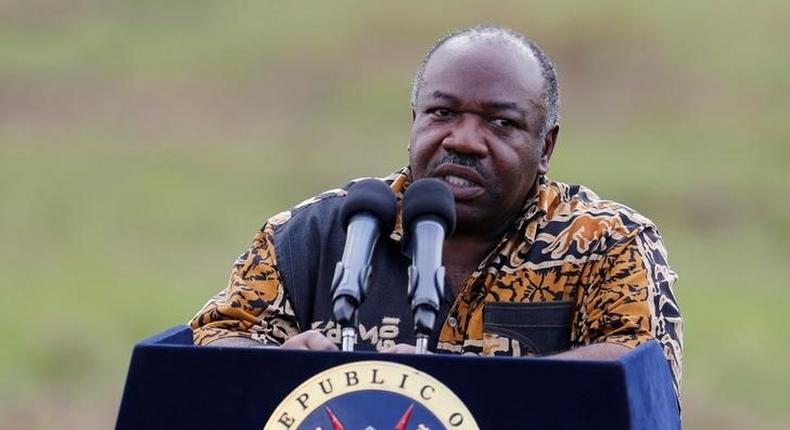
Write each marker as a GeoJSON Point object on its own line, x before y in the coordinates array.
{"type": "Point", "coordinates": [372, 196]}
{"type": "Point", "coordinates": [429, 197]}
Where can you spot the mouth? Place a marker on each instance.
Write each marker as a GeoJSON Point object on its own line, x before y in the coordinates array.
{"type": "Point", "coordinates": [464, 182]}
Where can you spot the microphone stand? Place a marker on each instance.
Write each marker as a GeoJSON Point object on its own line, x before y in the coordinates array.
{"type": "Point", "coordinates": [426, 279]}
{"type": "Point", "coordinates": [370, 205]}
{"type": "Point", "coordinates": [351, 278]}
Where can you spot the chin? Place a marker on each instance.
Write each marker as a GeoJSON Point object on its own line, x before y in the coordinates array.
{"type": "Point", "coordinates": [469, 223]}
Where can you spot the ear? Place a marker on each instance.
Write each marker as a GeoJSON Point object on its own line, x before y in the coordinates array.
{"type": "Point", "coordinates": [548, 148]}
{"type": "Point", "coordinates": [413, 117]}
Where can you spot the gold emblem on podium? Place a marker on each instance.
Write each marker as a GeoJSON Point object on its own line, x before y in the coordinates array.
{"type": "Point", "coordinates": [371, 395]}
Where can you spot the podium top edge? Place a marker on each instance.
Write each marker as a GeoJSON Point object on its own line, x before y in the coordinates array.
{"type": "Point", "coordinates": [180, 337]}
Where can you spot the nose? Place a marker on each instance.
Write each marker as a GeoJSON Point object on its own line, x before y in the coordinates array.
{"type": "Point", "coordinates": [467, 136]}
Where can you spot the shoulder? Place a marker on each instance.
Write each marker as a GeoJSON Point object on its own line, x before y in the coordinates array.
{"type": "Point", "coordinates": [323, 209]}
{"type": "Point", "coordinates": [578, 221]}
{"type": "Point", "coordinates": [318, 204]}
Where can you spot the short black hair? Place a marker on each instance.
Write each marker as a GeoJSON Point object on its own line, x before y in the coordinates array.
{"type": "Point", "coordinates": [551, 94]}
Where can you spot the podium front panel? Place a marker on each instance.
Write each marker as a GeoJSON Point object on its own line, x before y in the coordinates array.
{"type": "Point", "coordinates": [174, 384]}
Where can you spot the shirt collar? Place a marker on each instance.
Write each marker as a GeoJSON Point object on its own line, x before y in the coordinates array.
{"type": "Point", "coordinates": [535, 208]}
{"type": "Point", "coordinates": [400, 181]}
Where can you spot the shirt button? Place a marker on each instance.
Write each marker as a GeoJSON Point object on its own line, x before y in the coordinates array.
{"type": "Point", "coordinates": [452, 322]}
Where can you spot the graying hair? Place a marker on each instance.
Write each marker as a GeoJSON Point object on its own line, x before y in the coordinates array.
{"type": "Point", "coordinates": [551, 94]}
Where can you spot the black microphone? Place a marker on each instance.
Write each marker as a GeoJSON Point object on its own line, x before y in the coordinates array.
{"type": "Point", "coordinates": [428, 217]}
{"type": "Point", "coordinates": [369, 210]}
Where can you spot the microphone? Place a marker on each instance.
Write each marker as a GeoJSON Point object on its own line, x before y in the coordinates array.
{"type": "Point", "coordinates": [369, 209]}
{"type": "Point", "coordinates": [428, 217]}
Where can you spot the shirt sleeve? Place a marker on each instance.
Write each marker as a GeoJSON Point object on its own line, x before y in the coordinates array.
{"type": "Point", "coordinates": [254, 305]}
{"type": "Point", "coordinates": [633, 301]}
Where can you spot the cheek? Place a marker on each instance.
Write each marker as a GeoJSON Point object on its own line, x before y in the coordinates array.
{"type": "Point", "coordinates": [424, 144]}
{"type": "Point", "coordinates": [518, 167]}
{"type": "Point", "coordinates": [419, 157]}
{"type": "Point", "coordinates": [424, 127]}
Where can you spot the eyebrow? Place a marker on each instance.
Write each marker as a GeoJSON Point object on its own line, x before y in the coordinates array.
{"type": "Point", "coordinates": [493, 105]}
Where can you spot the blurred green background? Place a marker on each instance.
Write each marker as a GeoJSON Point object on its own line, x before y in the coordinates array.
{"type": "Point", "coordinates": [142, 143]}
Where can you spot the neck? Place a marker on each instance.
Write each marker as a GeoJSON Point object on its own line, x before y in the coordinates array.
{"type": "Point", "coordinates": [461, 257]}
{"type": "Point", "coordinates": [467, 251]}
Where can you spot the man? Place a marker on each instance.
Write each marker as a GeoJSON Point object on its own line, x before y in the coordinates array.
{"type": "Point", "coordinates": [535, 267]}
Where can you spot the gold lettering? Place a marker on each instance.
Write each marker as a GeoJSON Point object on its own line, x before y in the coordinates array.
{"type": "Point", "coordinates": [302, 399]}
{"type": "Point", "coordinates": [424, 389]}
{"type": "Point", "coordinates": [456, 419]}
{"type": "Point", "coordinates": [403, 381]}
{"type": "Point", "coordinates": [327, 389]}
{"type": "Point", "coordinates": [351, 376]}
{"type": "Point", "coordinates": [286, 420]}
{"type": "Point", "coordinates": [374, 380]}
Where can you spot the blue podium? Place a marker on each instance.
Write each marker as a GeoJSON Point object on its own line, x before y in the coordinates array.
{"type": "Point", "coordinates": [173, 384]}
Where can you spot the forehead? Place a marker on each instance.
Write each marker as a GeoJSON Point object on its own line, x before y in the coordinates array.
{"type": "Point", "coordinates": [484, 69]}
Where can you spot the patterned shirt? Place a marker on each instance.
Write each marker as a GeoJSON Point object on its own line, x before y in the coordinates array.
{"type": "Point", "coordinates": [570, 259]}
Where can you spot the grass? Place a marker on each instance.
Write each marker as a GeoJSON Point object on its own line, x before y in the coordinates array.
{"type": "Point", "coordinates": [141, 145]}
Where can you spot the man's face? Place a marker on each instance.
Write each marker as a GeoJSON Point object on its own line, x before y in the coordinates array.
{"type": "Point", "coordinates": [477, 123]}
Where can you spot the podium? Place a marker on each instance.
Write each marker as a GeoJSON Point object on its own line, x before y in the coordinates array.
{"type": "Point", "coordinates": [175, 385]}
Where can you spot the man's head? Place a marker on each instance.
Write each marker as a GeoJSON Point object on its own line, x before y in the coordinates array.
{"type": "Point", "coordinates": [551, 96]}
{"type": "Point", "coordinates": [485, 104]}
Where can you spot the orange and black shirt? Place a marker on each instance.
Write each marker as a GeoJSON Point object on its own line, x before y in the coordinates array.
{"type": "Point", "coordinates": [573, 270]}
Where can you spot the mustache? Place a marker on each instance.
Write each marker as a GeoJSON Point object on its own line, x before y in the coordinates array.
{"type": "Point", "coordinates": [470, 161]}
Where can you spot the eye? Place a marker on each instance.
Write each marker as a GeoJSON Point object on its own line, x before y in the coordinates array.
{"type": "Point", "coordinates": [503, 123]}
{"type": "Point", "coordinates": [441, 113]}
